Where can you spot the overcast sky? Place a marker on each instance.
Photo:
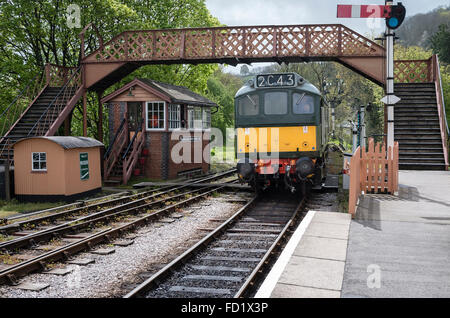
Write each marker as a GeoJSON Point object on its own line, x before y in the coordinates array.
{"type": "Point", "coordinates": [268, 12]}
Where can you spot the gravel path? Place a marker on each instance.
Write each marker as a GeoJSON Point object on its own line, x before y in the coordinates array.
{"type": "Point", "coordinates": [154, 245]}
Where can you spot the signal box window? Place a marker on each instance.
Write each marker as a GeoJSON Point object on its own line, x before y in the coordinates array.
{"type": "Point", "coordinates": [206, 118]}
{"type": "Point", "coordinates": [248, 105]}
{"type": "Point", "coordinates": [155, 115]}
{"type": "Point", "coordinates": [39, 161]}
{"type": "Point", "coordinates": [276, 103]}
{"type": "Point", "coordinates": [302, 104]}
{"type": "Point", "coordinates": [174, 116]}
{"type": "Point", "coordinates": [195, 118]}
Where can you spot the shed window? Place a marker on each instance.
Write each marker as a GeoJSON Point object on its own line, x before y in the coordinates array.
{"type": "Point", "coordinates": [276, 103]}
{"type": "Point", "coordinates": [39, 161]}
{"type": "Point", "coordinates": [155, 115]}
{"type": "Point", "coordinates": [174, 116]}
{"type": "Point", "coordinates": [302, 104]}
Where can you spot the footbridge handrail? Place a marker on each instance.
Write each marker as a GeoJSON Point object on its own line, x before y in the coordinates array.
{"type": "Point", "coordinates": [237, 44]}
{"type": "Point", "coordinates": [60, 101]}
{"type": "Point", "coordinates": [15, 109]}
{"type": "Point", "coordinates": [441, 107]}
{"type": "Point", "coordinates": [239, 41]}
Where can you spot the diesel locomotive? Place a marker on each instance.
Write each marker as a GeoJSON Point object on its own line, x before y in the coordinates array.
{"type": "Point", "coordinates": [282, 126]}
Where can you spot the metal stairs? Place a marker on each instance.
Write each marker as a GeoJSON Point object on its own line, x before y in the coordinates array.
{"type": "Point", "coordinates": [47, 108]}
{"type": "Point", "coordinates": [416, 127]}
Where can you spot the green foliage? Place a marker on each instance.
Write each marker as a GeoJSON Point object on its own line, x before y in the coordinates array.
{"type": "Point", "coordinates": [411, 53]}
{"type": "Point", "coordinates": [13, 207]}
{"type": "Point", "coordinates": [445, 77]}
{"type": "Point", "coordinates": [221, 89]}
{"type": "Point", "coordinates": [417, 29]}
{"type": "Point", "coordinates": [33, 33]}
{"type": "Point", "coordinates": [440, 42]}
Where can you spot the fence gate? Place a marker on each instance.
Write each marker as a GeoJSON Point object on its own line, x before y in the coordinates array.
{"type": "Point", "coordinates": [374, 170]}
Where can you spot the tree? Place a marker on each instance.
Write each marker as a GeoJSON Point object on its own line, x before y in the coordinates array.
{"type": "Point", "coordinates": [33, 33]}
{"type": "Point", "coordinates": [244, 70]}
{"type": "Point", "coordinates": [440, 43]}
{"type": "Point", "coordinates": [416, 29]}
{"type": "Point", "coordinates": [222, 88]}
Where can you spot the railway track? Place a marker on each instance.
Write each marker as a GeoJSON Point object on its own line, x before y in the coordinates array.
{"type": "Point", "coordinates": [120, 219]}
{"type": "Point", "coordinates": [228, 261]}
{"type": "Point", "coordinates": [79, 218]}
{"type": "Point", "coordinates": [24, 222]}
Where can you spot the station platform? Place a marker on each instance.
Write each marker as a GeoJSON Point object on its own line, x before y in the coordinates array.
{"type": "Point", "coordinates": [396, 246]}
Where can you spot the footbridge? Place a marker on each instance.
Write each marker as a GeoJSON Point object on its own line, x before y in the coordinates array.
{"type": "Point", "coordinates": [42, 108]}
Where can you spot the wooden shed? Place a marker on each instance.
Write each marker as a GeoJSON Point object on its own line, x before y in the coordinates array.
{"type": "Point", "coordinates": [56, 168]}
{"type": "Point", "coordinates": [150, 116]}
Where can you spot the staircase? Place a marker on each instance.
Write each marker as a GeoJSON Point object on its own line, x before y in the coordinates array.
{"type": "Point", "coordinates": [122, 155]}
{"type": "Point", "coordinates": [116, 175]}
{"type": "Point", "coordinates": [416, 127]}
{"type": "Point", "coordinates": [46, 111]}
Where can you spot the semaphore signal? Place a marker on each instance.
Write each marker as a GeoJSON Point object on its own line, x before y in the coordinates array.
{"type": "Point", "coordinates": [363, 11]}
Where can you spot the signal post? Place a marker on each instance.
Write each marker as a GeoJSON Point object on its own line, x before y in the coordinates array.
{"type": "Point", "coordinates": [394, 15]}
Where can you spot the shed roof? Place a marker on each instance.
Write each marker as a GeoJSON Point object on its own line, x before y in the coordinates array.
{"type": "Point", "coordinates": [69, 142]}
{"type": "Point", "coordinates": [174, 93]}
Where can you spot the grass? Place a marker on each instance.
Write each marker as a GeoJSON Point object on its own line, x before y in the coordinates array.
{"type": "Point", "coordinates": [8, 259]}
{"type": "Point", "coordinates": [14, 207]}
{"type": "Point", "coordinates": [223, 155]}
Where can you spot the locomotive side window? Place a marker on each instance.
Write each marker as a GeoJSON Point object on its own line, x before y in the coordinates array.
{"type": "Point", "coordinates": [249, 105]}
{"type": "Point", "coordinates": [275, 103]}
{"type": "Point", "coordinates": [302, 104]}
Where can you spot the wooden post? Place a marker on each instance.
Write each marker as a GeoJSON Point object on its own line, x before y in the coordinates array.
{"type": "Point", "coordinates": [355, 181]}
{"type": "Point", "coordinates": [84, 114]}
{"type": "Point", "coordinates": [67, 122]}
{"type": "Point", "coordinates": [100, 116]}
{"type": "Point", "coordinates": [47, 73]}
{"type": "Point", "coordinates": [7, 181]}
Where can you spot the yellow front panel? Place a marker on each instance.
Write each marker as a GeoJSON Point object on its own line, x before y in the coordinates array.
{"type": "Point", "coordinates": [276, 139]}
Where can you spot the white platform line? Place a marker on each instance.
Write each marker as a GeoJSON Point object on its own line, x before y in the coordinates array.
{"type": "Point", "coordinates": [275, 273]}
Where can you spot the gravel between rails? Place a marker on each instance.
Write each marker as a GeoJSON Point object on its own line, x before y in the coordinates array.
{"type": "Point", "coordinates": [154, 245]}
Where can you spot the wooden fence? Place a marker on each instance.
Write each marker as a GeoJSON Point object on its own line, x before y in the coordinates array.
{"type": "Point", "coordinates": [372, 171]}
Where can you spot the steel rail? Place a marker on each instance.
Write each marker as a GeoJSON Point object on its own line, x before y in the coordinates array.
{"type": "Point", "coordinates": [11, 274]}
{"type": "Point", "coordinates": [127, 199]}
{"type": "Point", "coordinates": [276, 246]}
{"type": "Point", "coordinates": [57, 208]}
{"type": "Point", "coordinates": [181, 260]}
{"type": "Point", "coordinates": [86, 221]}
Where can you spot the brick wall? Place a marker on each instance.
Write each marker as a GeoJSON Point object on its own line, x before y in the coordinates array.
{"type": "Point", "coordinates": [116, 112]}
{"type": "Point", "coordinates": [159, 164]}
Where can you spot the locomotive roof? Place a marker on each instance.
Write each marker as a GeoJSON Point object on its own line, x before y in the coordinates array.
{"type": "Point", "coordinates": [249, 86]}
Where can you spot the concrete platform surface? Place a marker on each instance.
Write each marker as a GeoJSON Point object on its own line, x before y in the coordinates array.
{"type": "Point", "coordinates": [312, 263]}
{"type": "Point", "coordinates": [399, 246]}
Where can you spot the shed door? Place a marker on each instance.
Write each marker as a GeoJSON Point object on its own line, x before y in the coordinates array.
{"type": "Point", "coordinates": [134, 116]}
